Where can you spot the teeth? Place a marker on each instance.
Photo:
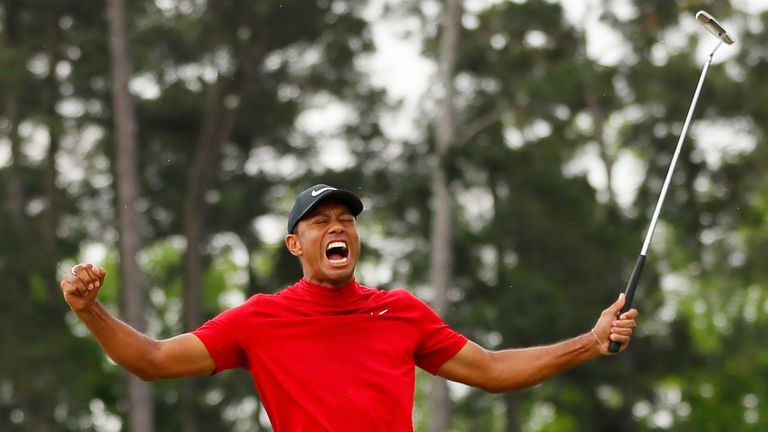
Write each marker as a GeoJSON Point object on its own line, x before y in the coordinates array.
{"type": "Point", "coordinates": [336, 244]}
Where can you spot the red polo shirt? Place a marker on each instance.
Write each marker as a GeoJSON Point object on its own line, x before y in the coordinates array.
{"type": "Point", "coordinates": [329, 359]}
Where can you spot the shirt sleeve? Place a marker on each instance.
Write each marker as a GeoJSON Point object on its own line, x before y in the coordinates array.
{"type": "Point", "coordinates": [219, 337]}
{"type": "Point", "coordinates": [438, 343]}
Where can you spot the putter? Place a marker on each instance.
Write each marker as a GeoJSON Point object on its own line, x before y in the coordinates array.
{"type": "Point", "coordinates": [719, 32]}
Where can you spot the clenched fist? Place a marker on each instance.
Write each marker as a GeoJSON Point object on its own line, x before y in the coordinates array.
{"type": "Point", "coordinates": [81, 285]}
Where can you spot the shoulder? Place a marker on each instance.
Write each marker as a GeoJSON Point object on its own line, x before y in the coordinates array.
{"type": "Point", "coordinates": [253, 305]}
{"type": "Point", "coordinates": [256, 301]}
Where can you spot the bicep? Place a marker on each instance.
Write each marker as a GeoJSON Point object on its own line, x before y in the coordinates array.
{"type": "Point", "coordinates": [472, 365]}
{"type": "Point", "coordinates": [183, 355]}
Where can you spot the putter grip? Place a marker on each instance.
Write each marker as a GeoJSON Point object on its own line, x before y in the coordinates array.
{"type": "Point", "coordinates": [630, 294]}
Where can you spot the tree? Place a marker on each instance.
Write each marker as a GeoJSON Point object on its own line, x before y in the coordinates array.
{"type": "Point", "coordinates": [34, 80]}
{"type": "Point", "coordinates": [231, 115]}
{"type": "Point", "coordinates": [141, 417]}
{"type": "Point", "coordinates": [441, 267]}
{"type": "Point", "coordinates": [541, 245]}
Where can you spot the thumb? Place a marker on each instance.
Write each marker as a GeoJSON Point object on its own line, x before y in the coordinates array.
{"type": "Point", "coordinates": [618, 304]}
{"type": "Point", "coordinates": [100, 272]}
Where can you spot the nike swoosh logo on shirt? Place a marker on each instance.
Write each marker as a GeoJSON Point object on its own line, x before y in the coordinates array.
{"type": "Point", "coordinates": [319, 191]}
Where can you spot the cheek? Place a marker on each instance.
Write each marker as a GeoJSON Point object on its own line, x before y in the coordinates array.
{"type": "Point", "coordinates": [357, 246]}
{"type": "Point", "coordinates": [309, 245]}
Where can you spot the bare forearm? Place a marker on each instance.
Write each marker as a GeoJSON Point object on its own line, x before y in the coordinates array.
{"type": "Point", "coordinates": [513, 369]}
{"type": "Point", "coordinates": [520, 368]}
{"type": "Point", "coordinates": [147, 358]}
{"type": "Point", "coordinates": [123, 344]}
{"type": "Point", "coordinates": [499, 371]}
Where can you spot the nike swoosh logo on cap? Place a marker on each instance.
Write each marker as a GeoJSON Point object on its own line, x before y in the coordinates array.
{"type": "Point", "coordinates": [319, 191]}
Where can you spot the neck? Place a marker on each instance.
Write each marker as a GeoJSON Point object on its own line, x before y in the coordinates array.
{"type": "Point", "coordinates": [330, 284]}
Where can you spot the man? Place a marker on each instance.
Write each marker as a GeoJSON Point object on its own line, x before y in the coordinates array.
{"type": "Point", "coordinates": [327, 353]}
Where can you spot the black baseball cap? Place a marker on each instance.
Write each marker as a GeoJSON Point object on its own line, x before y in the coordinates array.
{"type": "Point", "coordinates": [318, 193]}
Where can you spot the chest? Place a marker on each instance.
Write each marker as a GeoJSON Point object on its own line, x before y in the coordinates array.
{"type": "Point", "coordinates": [358, 340]}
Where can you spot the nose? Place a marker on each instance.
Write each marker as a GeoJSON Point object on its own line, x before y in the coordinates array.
{"type": "Point", "coordinates": [336, 226]}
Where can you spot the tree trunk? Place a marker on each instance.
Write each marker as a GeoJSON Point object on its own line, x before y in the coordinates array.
{"type": "Point", "coordinates": [511, 399]}
{"type": "Point", "coordinates": [141, 414]}
{"type": "Point", "coordinates": [512, 412]}
{"type": "Point", "coordinates": [441, 269]}
{"type": "Point", "coordinates": [607, 156]}
{"type": "Point", "coordinates": [442, 230]}
{"type": "Point", "coordinates": [14, 184]}
{"type": "Point", "coordinates": [217, 125]}
{"type": "Point", "coordinates": [53, 122]}
{"type": "Point", "coordinates": [199, 179]}
{"type": "Point", "coordinates": [217, 128]}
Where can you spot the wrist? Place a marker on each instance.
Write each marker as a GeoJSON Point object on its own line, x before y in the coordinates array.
{"type": "Point", "coordinates": [592, 331]}
{"type": "Point", "coordinates": [594, 342]}
{"type": "Point", "coordinates": [84, 309]}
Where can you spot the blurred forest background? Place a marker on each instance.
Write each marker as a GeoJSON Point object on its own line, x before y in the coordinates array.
{"type": "Point", "coordinates": [166, 140]}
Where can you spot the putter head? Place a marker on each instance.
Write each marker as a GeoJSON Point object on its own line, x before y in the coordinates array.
{"type": "Point", "coordinates": [714, 27]}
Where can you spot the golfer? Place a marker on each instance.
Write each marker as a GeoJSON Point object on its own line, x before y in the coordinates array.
{"type": "Point", "coordinates": [328, 353]}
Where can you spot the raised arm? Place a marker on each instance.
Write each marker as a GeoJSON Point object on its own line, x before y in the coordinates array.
{"type": "Point", "coordinates": [147, 358]}
{"type": "Point", "coordinates": [500, 371]}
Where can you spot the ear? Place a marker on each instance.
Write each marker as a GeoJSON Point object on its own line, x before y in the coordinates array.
{"type": "Point", "coordinates": [293, 245]}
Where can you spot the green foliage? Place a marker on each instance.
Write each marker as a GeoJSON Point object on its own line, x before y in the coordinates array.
{"type": "Point", "coordinates": [540, 248]}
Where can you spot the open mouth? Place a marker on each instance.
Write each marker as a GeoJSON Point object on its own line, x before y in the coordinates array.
{"type": "Point", "coordinates": [337, 252]}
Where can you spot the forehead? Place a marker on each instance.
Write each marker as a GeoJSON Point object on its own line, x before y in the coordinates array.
{"type": "Point", "coordinates": [329, 207]}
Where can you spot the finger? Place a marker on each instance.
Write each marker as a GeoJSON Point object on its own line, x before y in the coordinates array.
{"type": "Point", "coordinates": [622, 331]}
{"type": "Point", "coordinates": [81, 271]}
{"type": "Point", "coordinates": [100, 272]}
{"type": "Point", "coordinates": [66, 287]}
{"type": "Point", "coordinates": [79, 281]}
{"type": "Point", "coordinates": [82, 289]}
{"type": "Point", "coordinates": [618, 304]}
{"type": "Point", "coordinates": [97, 273]}
{"type": "Point", "coordinates": [630, 314]}
{"type": "Point", "coordinates": [71, 287]}
{"type": "Point", "coordinates": [76, 270]}
{"type": "Point", "coordinates": [622, 339]}
{"type": "Point", "coordinates": [70, 279]}
{"type": "Point", "coordinates": [94, 280]}
{"type": "Point", "coordinates": [624, 323]}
